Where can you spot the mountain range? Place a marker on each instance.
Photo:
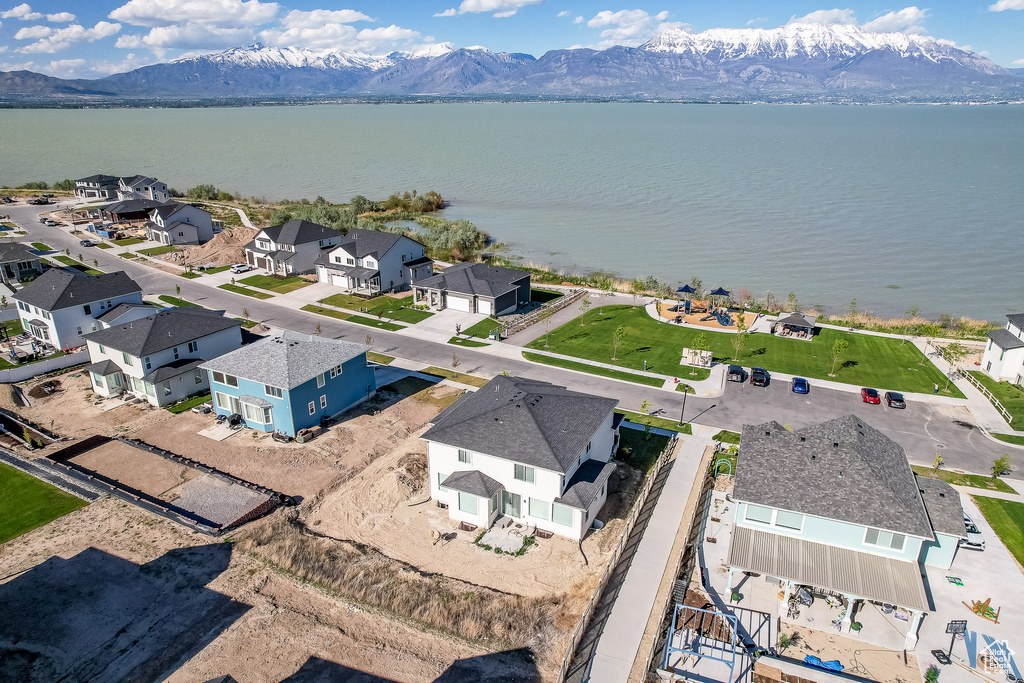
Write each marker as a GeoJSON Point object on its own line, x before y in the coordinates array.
{"type": "Point", "coordinates": [797, 63]}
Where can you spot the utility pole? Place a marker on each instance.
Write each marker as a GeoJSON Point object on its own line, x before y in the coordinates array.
{"type": "Point", "coordinates": [683, 411]}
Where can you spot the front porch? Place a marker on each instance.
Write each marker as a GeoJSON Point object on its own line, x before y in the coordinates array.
{"type": "Point", "coordinates": [434, 299]}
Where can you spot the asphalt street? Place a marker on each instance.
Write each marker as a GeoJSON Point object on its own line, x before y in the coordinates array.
{"type": "Point", "coordinates": [923, 429]}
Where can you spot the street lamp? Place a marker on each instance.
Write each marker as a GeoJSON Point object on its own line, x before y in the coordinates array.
{"type": "Point", "coordinates": [681, 412]}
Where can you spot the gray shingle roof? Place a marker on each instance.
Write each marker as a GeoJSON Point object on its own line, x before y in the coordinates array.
{"type": "Point", "coordinates": [138, 180]}
{"type": "Point", "coordinates": [523, 420]}
{"type": "Point", "coordinates": [99, 178]}
{"type": "Point", "coordinates": [173, 369]}
{"type": "Point", "coordinates": [132, 206]}
{"type": "Point", "coordinates": [797, 320]}
{"type": "Point", "coordinates": [1017, 319]}
{"type": "Point", "coordinates": [298, 231]}
{"type": "Point", "coordinates": [56, 289]}
{"type": "Point", "coordinates": [167, 210]}
{"type": "Point", "coordinates": [1005, 339]}
{"type": "Point", "coordinates": [586, 483]}
{"type": "Point", "coordinates": [255, 401]}
{"type": "Point", "coordinates": [162, 330]}
{"type": "Point", "coordinates": [16, 251]}
{"type": "Point", "coordinates": [943, 505]}
{"type": "Point", "coordinates": [111, 316]}
{"type": "Point", "coordinates": [286, 360]}
{"type": "Point", "coordinates": [360, 243]}
{"type": "Point", "coordinates": [840, 469]}
{"type": "Point", "coordinates": [103, 368]}
{"type": "Point", "coordinates": [480, 279]}
{"type": "Point", "coordinates": [474, 482]}
{"type": "Point", "coordinates": [351, 271]}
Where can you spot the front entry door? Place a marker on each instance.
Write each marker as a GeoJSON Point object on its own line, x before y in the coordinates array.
{"type": "Point", "coordinates": [510, 503]}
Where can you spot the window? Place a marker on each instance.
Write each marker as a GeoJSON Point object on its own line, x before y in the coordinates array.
{"type": "Point", "coordinates": [789, 520]}
{"type": "Point", "coordinates": [199, 376]}
{"type": "Point", "coordinates": [46, 315]}
{"type": "Point", "coordinates": [127, 359]}
{"type": "Point", "coordinates": [148, 362]}
{"type": "Point", "coordinates": [88, 309]}
{"type": "Point", "coordinates": [97, 380]}
{"type": "Point", "coordinates": [465, 456]}
{"type": "Point", "coordinates": [524, 473]}
{"type": "Point", "coordinates": [440, 478]}
{"type": "Point", "coordinates": [467, 503]}
{"type": "Point", "coordinates": [222, 400]}
{"type": "Point", "coordinates": [884, 539]}
{"type": "Point", "coordinates": [350, 261]}
{"type": "Point", "coordinates": [79, 330]}
{"type": "Point", "coordinates": [174, 351]}
{"type": "Point", "coordinates": [493, 505]}
{"type": "Point", "coordinates": [312, 407]}
{"type": "Point", "coordinates": [756, 513]}
{"type": "Point", "coordinates": [193, 346]}
{"type": "Point", "coordinates": [276, 392]}
{"type": "Point", "coordinates": [167, 388]}
{"type": "Point", "coordinates": [323, 400]}
{"type": "Point", "coordinates": [256, 414]}
{"type": "Point", "coordinates": [320, 380]}
{"type": "Point", "coordinates": [108, 303]}
{"type": "Point", "coordinates": [589, 444]}
{"type": "Point", "coordinates": [221, 378]}
{"type": "Point", "coordinates": [539, 508]}
{"type": "Point", "coordinates": [561, 514]}
{"type": "Point", "coordinates": [150, 389]}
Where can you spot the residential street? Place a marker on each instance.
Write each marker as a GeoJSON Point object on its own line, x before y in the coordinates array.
{"type": "Point", "coordinates": [923, 429]}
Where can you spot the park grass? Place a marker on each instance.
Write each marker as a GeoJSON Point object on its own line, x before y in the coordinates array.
{"type": "Point", "coordinates": [640, 450]}
{"type": "Point", "coordinates": [373, 322]}
{"type": "Point", "coordinates": [128, 254]}
{"type": "Point", "coordinates": [1010, 438]}
{"type": "Point", "coordinates": [381, 358]}
{"type": "Point", "coordinates": [190, 275]}
{"type": "Point", "coordinates": [1007, 520]}
{"type": "Point", "coordinates": [27, 503]}
{"type": "Point", "coordinates": [593, 369]}
{"type": "Point", "coordinates": [544, 295]}
{"type": "Point", "coordinates": [280, 285]}
{"type": "Point", "coordinates": [329, 312]}
{"type": "Point", "coordinates": [102, 245]}
{"type": "Point", "coordinates": [247, 292]}
{"type": "Point", "coordinates": [156, 251]}
{"type": "Point", "coordinates": [41, 246]}
{"type": "Point", "coordinates": [470, 343]}
{"type": "Point", "coordinates": [462, 378]}
{"type": "Point", "coordinates": [128, 241]}
{"type": "Point", "coordinates": [1010, 395]}
{"type": "Point", "coordinates": [175, 301]}
{"type": "Point", "coordinates": [978, 481]}
{"type": "Point", "coordinates": [72, 263]}
{"type": "Point", "coordinates": [481, 329]}
{"type": "Point", "coordinates": [869, 361]}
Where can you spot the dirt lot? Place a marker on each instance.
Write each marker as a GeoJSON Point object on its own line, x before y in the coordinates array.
{"type": "Point", "coordinates": [138, 469]}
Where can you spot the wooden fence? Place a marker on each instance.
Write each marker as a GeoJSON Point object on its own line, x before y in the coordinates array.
{"type": "Point", "coordinates": [977, 385]}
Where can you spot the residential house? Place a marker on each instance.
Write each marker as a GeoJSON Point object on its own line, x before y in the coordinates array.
{"type": "Point", "coordinates": [157, 357]}
{"type": "Point", "coordinates": [530, 451]}
{"type": "Point", "coordinates": [290, 382]}
{"type": "Point", "coordinates": [97, 187]}
{"type": "Point", "coordinates": [475, 288]}
{"type": "Point", "coordinates": [370, 262]}
{"type": "Point", "coordinates": [178, 223]}
{"type": "Point", "coordinates": [291, 248]}
{"type": "Point", "coordinates": [18, 261]}
{"type": "Point", "coordinates": [59, 306]}
{"type": "Point", "coordinates": [122, 313]}
{"type": "Point", "coordinates": [1004, 353]}
{"type": "Point", "coordinates": [835, 508]}
{"type": "Point", "coordinates": [142, 187]}
{"type": "Point", "coordinates": [127, 210]}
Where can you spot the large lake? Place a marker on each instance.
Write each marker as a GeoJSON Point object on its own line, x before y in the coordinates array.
{"type": "Point", "coordinates": [894, 206]}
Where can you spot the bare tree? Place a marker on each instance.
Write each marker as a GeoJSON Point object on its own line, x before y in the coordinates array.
{"type": "Point", "coordinates": [545, 317]}
{"type": "Point", "coordinates": [318, 330]}
{"type": "Point", "coordinates": [585, 305]}
{"type": "Point", "coordinates": [245, 314]}
{"type": "Point", "coordinates": [955, 353]}
{"type": "Point", "coordinates": [458, 329]}
{"type": "Point", "coordinates": [368, 340]}
{"type": "Point", "coordinates": [455, 364]}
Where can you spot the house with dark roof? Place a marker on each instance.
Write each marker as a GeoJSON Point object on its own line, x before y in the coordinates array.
{"type": "Point", "coordinates": [370, 262]}
{"type": "Point", "coordinates": [142, 187]}
{"type": "Point", "coordinates": [127, 210]}
{"type": "Point", "coordinates": [157, 357]}
{"type": "Point", "coordinates": [835, 508]}
{"type": "Point", "coordinates": [18, 261]}
{"type": "Point", "coordinates": [59, 306]}
{"type": "Point", "coordinates": [529, 451]}
{"type": "Point", "coordinates": [291, 248]}
{"type": "Point", "coordinates": [291, 381]}
{"type": "Point", "coordinates": [474, 288]}
{"type": "Point", "coordinates": [97, 187]}
{"type": "Point", "coordinates": [1003, 359]}
{"type": "Point", "coordinates": [796, 325]}
{"type": "Point", "coordinates": [179, 223]}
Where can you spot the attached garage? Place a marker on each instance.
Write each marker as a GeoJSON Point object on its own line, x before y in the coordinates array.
{"type": "Point", "coordinates": [484, 306]}
{"type": "Point", "coordinates": [339, 280]}
{"type": "Point", "coordinates": [459, 303]}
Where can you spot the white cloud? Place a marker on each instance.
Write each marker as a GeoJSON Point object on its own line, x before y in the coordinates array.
{"type": "Point", "coordinates": [499, 8]}
{"type": "Point", "coordinates": [3, 49]}
{"type": "Point", "coordinates": [317, 28]}
{"type": "Point", "coordinates": [626, 27]}
{"type": "Point", "coordinates": [578, 20]}
{"type": "Point", "coordinates": [563, 13]}
{"type": "Point", "coordinates": [757, 20]}
{"type": "Point", "coordinates": [187, 37]}
{"type": "Point", "coordinates": [826, 16]}
{"type": "Point", "coordinates": [212, 13]}
{"type": "Point", "coordinates": [450, 12]}
{"type": "Point", "coordinates": [907, 20]}
{"type": "Point", "coordinates": [373, 39]}
{"type": "Point", "coordinates": [1005, 5]}
{"type": "Point", "coordinates": [33, 32]}
{"type": "Point", "coordinates": [23, 12]}
{"type": "Point", "coordinates": [60, 17]}
{"type": "Point", "coordinates": [1018, 61]}
{"type": "Point", "coordinates": [61, 39]}
{"type": "Point", "coordinates": [320, 17]}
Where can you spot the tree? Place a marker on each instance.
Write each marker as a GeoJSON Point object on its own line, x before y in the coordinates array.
{"type": "Point", "coordinates": [636, 287]}
{"type": "Point", "coordinates": [3, 302]}
{"type": "Point", "coordinates": [177, 291]}
{"type": "Point", "coordinates": [585, 305]}
{"type": "Point", "coordinates": [792, 304]}
{"type": "Point", "coordinates": [318, 330]}
{"type": "Point", "coordinates": [617, 336]}
{"type": "Point", "coordinates": [1001, 466]}
{"type": "Point", "coordinates": [545, 317]}
{"type": "Point", "coordinates": [245, 314]}
{"type": "Point", "coordinates": [368, 341]}
{"type": "Point", "coordinates": [937, 463]}
{"type": "Point", "coordinates": [645, 409]}
{"type": "Point", "coordinates": [769, 300]}
{"type": "Point", "coordinates": [853, 311]}
{"type": "Point", "coordinates": [458, 329]}
{"type": "Point", "coordinates": [838, 350]}
{"type": "Point", "coordinates": [929, 332]}
{"type": "Point", "coordinates": [66, 185]}
{"type": "Point", "coordinates": [698, 286]}
{"type": "Point", "coordinates": [955, 353]}
{"type": "Point", "coordinates": [203, 192]}
{"type": "Point", "coordinates": [700, 343]}
{"type": "Point", "coordinates": [81, 259]}
{"type": "Point", "coordinates": [455, 364]}
{"type": "Point", "coordinates": [740, 338]}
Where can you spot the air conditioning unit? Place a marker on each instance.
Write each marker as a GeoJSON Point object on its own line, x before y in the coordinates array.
{"type": "Point", "coordinates": [443, 506]}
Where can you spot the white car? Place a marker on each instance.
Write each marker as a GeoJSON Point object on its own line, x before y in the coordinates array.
{"type": "Point", "coordinates": [974, 538]}
{"type": "Point", "coordinates": [240, 268]}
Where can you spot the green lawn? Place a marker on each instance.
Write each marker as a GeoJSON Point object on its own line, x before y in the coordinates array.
{"type": "Point", "coordinates": [472, 380]}
{"type": "Point", "coordinates": [544, 295]}
{"type": "Point", "coordinates": [128, 241]}
{"type": "Point", "coordinates": [247, 292]}
{"type": "Point", "coordinates": [281, 285]}
{"type": "Point", "coordinates": [640, 450]}
{"type": "Point", "coordinates": [373, 322]}
{"type": "Point", "coordinates": [976, 480]}
{"type": "Point", "coordinates": [1007, 520]}
{"type": "Point", "coordinates": [592, 369]}
{"type": "Point", "coordinates": [381, 358]}
{"type": "Point", "coordinates": [27, 503]}
{"type": "Point", "coordinates": [14, 327]}
{"type": "Point", "coordinates": [469, 343]}
{"type": "Point", "coordinates": [41, 246]}
{"type": "Point", "coordinates": [175, 301]}
{"type": "Point", "coordinates": [1010, 395]}
{"type": "Point", "coordinates": [190, 276]}
{"type": "Point", "coordinates": [407, 315]}
{"type": "Point", "coordinates": [726, 436]}
{"type": "Point", "coordinates": [217, 269]}
{"type": "Point", "coordinates": [247, 324]}
{"type": "Point", "coordinates": [660, 422]}
{"type": "Point", "coordinates": [1010, 438]}
{"type": "Point", "coordinates": [188, 404]}
{"type": "Point", "coordinates": [330, 312]}
{"type": "Point", "coordinates": [869, 360]}
{"type": "Point", "coordinates": [102, 245]}
{"type": "Point", "coordinates": [156, 251]}
{"type": "Point", "coordinates": [72, 263]}
{"type": "Point", "coordinates": [128, 254]}
{"type": "Point", "coordinates": [389, 307]}
{"type": "Point", "coordinates": [482, 329]}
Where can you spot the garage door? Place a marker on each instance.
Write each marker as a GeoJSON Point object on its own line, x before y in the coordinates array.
{"type": "Point", "coordinates": [458, 303]}
{"type": "Point", "coordinates": [484, 306]}
{"type": "Point", "coordinates": [338, 280]}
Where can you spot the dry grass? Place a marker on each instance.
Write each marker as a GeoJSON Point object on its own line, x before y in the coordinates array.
{"type": "Point", "coordinates": [365, 575]}
{"type": "Point", "coordinates": [949, 326]}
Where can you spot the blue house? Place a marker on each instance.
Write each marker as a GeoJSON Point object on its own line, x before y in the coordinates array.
{"type": "Point", "coordinates": [289, 382]}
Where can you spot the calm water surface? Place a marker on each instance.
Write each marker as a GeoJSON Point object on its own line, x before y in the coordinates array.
{"type": "Point", "coordinates": [893, 206]}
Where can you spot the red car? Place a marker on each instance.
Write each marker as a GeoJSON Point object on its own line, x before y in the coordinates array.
{"type": "Point", "coordinates": [870, 396]}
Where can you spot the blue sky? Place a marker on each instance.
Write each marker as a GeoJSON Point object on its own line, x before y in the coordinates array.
{"type": "Point", "coordinates": [92, 38]}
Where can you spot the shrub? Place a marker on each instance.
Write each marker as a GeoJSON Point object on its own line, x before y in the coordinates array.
{"type": "Point", "coordinates": [35, 185]}
{"type": "Point", "coordinates": [203, 192]}
{"type": "Point", "coordinates": [1001, 466]}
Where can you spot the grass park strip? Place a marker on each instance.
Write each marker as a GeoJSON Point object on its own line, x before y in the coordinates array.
{"type": "Point", "coordinates": [128, 241]}
{"type": "Point", "coordinates": [1007, 520]}
{"type": "Point", "coordinates": [469, 343]}
{"type": "Point", "coordinates": [381, 358]}
{"type": "Point", "coordinates": [593, 369]}
{"type": "Point", "coordinates": [482, 329]}
{"type": "Point", "coordinates": [72, 263]}
{"type": "Point", "coordinates": [27, 503]}
{"type": "Point", "coordinates": [175, 301]}
{"type": "Point", "coordinates": [128, 254]}
{"type": "Point", "coordinates": [329, 312]}
{"type": "Point", "coordinates": [41, 246]}
{"type": "Point", "coordinates": [278, 285]}
{"type": "Point", "coordinates": [217, 269]}
{"type": "Point", "coordinates": [868, 361]}
{"type": "Point", "coordinates": [102, 245]}
{"type": "Point", "coordinates": [978, 481]}
{"type": "Point", "coordinates": [471, 380]}
{"type": "Point", "coordinates": [156, 251]}
{"type": "Point", "coordinates": [1010, 438]}
{"type": "Point", "coordinates": [191, 275]}
{"type": "Point", "coordinates": [371, 322]}
{"type": "Point", "coordinates": [1010, 395]}
{"type": "Point", "coordinates": [247, 292]}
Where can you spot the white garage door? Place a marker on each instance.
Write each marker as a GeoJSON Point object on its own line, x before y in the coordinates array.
{"type": "Point", "coordinates": [484, 306]}
{"type": "Point", "coordinates": [458, 303]}
{"type": "Point", "coordinates": [338, 280]}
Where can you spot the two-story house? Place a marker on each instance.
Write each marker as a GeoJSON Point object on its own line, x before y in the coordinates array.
{"type": "Point", "coordinates": [292, 248]}
{"type": "Point", "coordinates": [835, 508]}
{"type": "Point", "coordinates": [178, 223]}
{"type": "Point", "coordinates": [142, 187]}
{"type": "Point", "coordinates": [290, 382]}
{"type": "Point", "coordinates": [59, 306]}
{"type": "Point", "coordinates": [370, 261]}
{"type": "Point", "coordinates": [530, 451]}
{"type": "Point", "coordinates": [18, 261]}
{"type": "Point", "coordinates": [474, 288]}
{"type": "Point", "coordinates": [1004, 354]}
{"type": "Point", "coordinates": [97, 187]}
{"type": "Point", "coordinates": [157, 357]}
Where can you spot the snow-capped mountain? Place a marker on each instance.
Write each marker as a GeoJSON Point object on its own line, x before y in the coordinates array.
{"type": "Point", "coordinates": [799, 62]}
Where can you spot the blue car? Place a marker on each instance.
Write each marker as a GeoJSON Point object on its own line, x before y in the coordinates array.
{"type": "Point", "coordinates": [800, 386]}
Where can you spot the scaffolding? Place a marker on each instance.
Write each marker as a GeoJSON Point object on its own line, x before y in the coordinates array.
{"type": "Point", "coordinates": [699, 634]}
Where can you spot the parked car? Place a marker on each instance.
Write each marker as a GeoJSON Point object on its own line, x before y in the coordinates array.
{"type": "Point", "coordinates": [801, 386]}
{"type": "Point", "coordinates": [240, 267]}
{"type": "Point", "coordinates": [894, 399]}
{"type": "Point", "coordinates": [50, 223]}
{"type": "Point", "coordinates": [759, 377]}
{"type": "Point", "coordinates": [43, 219]}
{"type": "Point", "coordinates": [870, 396]}
{"type": "Point", "coordinates": [86, 243]}
{"type": "Point", "coordinates": [736, 374]}
{"type": "Point", "coordinates": [974, 538]}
